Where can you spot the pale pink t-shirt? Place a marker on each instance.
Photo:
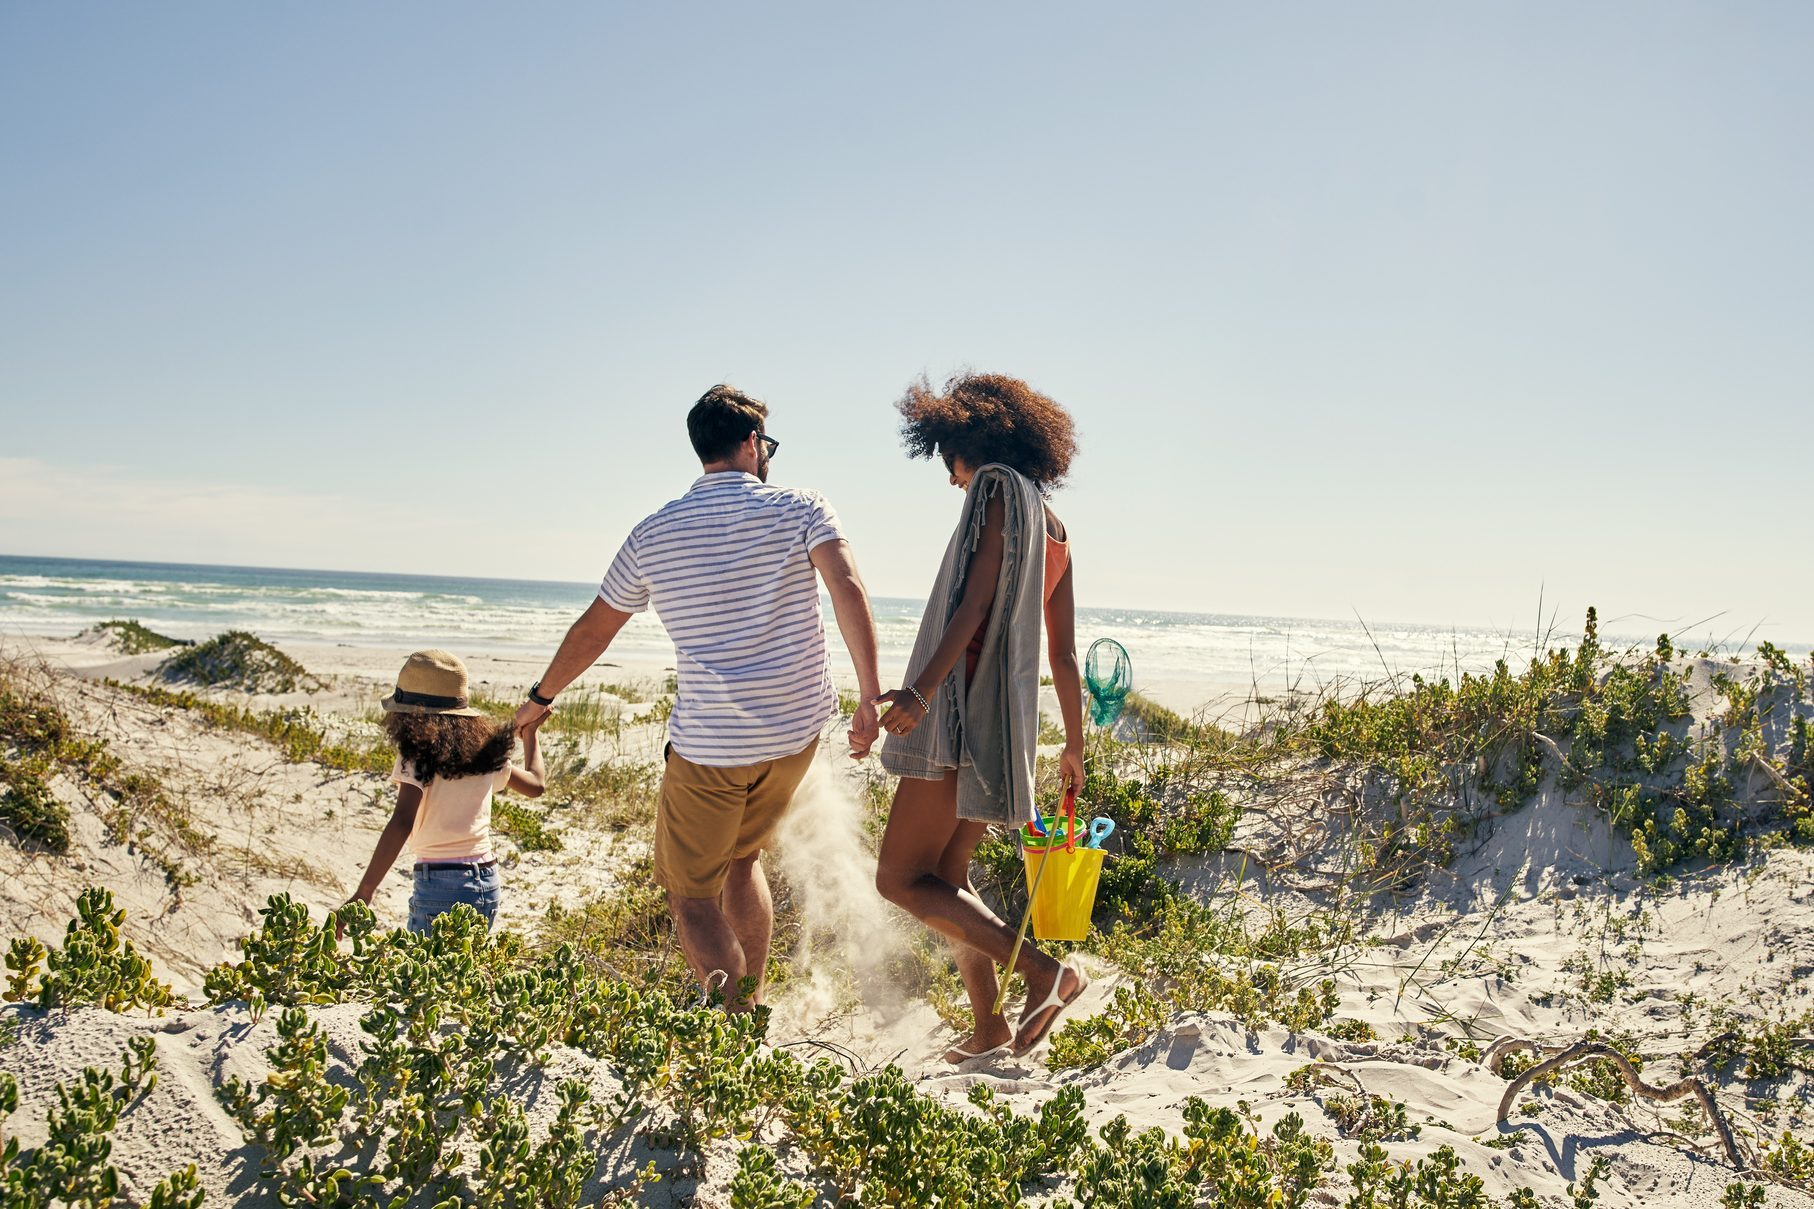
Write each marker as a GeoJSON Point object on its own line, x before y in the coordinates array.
{"type": "Point", "coordinates": [453, 823]}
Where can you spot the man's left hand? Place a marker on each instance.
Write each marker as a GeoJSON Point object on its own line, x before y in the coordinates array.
{"type": "Point", "coordinates": [529, 715]}
{"type": "Point", "coordinates": [863, 730]}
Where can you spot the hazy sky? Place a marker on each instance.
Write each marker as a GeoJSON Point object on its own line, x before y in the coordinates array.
{"type": "Point", "coordinates": [1415, 310]}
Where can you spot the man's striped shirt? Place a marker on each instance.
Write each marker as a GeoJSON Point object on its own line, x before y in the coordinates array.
{"type": "Point", "coordinates": [726, 568]}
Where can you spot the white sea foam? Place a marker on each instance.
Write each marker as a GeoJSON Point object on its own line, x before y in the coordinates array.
{"type": "Point", "coordinates": [1184, 659]}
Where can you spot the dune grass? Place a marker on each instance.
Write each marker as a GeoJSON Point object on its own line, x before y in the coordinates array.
{"type": "Point", "coordinates": [299, 733]}
{"type": "Point", "coordinates": [1367, 789]}
{"type": "Point", "coordinates": [608, 795]}
{"type": "Point", "coordinates": [523, 825]}
{"type": "Point", "coordinates": [239, 660]}
{"type": "Point", "coordinates": [39, 740]}
{"type": "Point", "coordinates": [132, 637]}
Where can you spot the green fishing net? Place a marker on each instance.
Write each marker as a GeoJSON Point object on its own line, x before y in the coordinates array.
{"type": "Point", "coordinates": [1109, 675]}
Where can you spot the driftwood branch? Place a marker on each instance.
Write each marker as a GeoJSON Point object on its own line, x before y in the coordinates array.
{"type": "Point", "coordinates": [1330, 1074]}
{"type": "Point", "coordinates": [1551, 746]}
{"type": "Point", "coordinates": [1770, 770]}
{"type": "Point", "coordinates": [1585, 1051]}
{"type": "Point", "coordinates": [1505, 1047]}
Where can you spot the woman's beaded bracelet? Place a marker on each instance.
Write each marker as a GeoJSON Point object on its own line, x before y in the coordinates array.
{"type": "Point", "coordinates": [916, 696]}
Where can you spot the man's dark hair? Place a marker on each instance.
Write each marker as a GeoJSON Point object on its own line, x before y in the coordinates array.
{"type": "Point", "coordinates": [723, 419]}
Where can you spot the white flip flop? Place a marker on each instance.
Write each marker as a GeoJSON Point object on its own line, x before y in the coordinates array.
{"type": "Point", "coordinates": [965, 1056]}
{"type": "Point", "coordinates": [1054, 1003]}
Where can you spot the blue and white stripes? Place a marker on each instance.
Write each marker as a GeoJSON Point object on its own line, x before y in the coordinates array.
{"type": "Point", "coordinates": [726, 568]}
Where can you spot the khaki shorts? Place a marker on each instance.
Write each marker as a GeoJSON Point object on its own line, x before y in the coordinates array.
{"type": "Point", "coordinates": [710, 817]}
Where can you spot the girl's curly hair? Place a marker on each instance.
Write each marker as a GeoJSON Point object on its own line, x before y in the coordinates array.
{"type": "Point", "coordinates": [985, 418]}
{"type": "Point", "coordinates": [450, 745]}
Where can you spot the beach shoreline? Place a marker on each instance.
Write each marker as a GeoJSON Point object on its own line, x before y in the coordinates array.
{"type": "Point", "coordinates": [507, 671]}
{"type": "Point", "coordinates": [355, 623]}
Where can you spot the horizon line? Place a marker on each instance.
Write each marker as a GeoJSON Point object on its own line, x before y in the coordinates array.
{"type": "Point", "coordinates": [497, 579]}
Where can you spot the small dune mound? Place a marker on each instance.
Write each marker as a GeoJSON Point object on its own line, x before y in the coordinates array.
{"type": "Point", "coordinates": [238, 660]}
{"type": "Point", "coordinates": [129, 638]}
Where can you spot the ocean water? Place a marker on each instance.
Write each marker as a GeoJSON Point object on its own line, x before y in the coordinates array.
{"type": "Point", "coordinates": [1189, 654]}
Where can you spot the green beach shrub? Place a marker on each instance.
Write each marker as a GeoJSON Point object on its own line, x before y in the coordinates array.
{"type": "Point", "coordinates": [72, 1166]}
{"type": "Point", "coordinates": [291, 960]}
{"type": "Point", "coordinates": [95, 965]}
{"type": "Point", "coordinates": [1741, 1195]}
{"type": "Point", "coordinates": [759, 1183]}
{"type": "Point", "coordinates": [1133, 1014]}
{"type": "Point", "coordinates": [1351, 1030]}
{"type": "Point", "coordinates": [1614, 728]}
{"type": "Point", "coordinates": [1789, 1158]}
{"type": "Point", "coordinates": [1436, 1182]}
{"type": "Point", "coordinates": [1370, 1118]}
{"type": "Point", "coordinates": [1220, 1161]}
{"type": "Point", "coordinates": [458, 1027]}
{"type": "Point", "coordinates": [28, 806]}
{"type": "Point", "coordinates": [1185, 957]}
{"type": "Point", "coordinates": [1767, 1049]}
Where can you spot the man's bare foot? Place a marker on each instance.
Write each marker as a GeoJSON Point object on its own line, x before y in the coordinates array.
{"type": "Point", "coordinates": [989, 1036]}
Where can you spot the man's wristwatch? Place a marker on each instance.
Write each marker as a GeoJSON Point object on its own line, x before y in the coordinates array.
{"type": "Point", "coordinates": [536, 696]}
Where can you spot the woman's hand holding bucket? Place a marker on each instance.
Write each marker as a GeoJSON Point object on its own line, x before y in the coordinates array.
{"type": "Point", "coordinates": [1070, 768]}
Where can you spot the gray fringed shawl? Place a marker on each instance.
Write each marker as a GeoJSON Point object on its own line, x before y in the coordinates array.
{"type": "Point", "coordinates": [988, 734]}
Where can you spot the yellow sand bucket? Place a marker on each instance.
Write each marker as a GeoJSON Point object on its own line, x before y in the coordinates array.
{"type": "Point", "coordinates": [1063, 893]}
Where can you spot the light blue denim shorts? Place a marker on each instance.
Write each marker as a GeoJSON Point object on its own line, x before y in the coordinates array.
{"type": "Point", "coordinates": [440, 888]}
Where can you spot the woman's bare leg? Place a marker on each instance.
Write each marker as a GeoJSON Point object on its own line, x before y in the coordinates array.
{"type": "Point", "coordinates": [921, 826]}
{"type": "Point", "coordinates": [974, 967]}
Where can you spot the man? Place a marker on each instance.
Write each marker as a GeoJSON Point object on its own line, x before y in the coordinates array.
{"type": "Point", "coordinates": [730, 568]}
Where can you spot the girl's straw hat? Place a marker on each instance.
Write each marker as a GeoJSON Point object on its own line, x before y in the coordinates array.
{"type": "Point", "coordinates": [432, 682]}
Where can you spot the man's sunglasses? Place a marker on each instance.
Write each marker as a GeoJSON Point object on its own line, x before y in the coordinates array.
{"type": "Point", "coordinates": [769, 442]}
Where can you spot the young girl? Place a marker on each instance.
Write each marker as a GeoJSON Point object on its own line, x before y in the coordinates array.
{"type": "Point", "coordinates": [450, 759]}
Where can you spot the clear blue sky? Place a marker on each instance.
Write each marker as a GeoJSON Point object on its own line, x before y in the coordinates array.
{"type": "Point", "coordinates": [1410, 309]}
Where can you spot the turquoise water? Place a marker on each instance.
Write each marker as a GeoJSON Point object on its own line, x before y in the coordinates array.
{"type": "Point", "coordinates": [59, 597]}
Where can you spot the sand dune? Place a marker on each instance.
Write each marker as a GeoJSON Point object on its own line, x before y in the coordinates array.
{"type": "Point", "coordinates": [1539, 929]}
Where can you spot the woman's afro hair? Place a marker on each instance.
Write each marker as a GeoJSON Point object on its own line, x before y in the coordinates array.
{"type": "Point", "coordinates": [984, 418]}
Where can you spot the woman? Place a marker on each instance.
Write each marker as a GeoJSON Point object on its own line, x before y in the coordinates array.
{"type": "Point", "coordinates": [1006, 446]}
